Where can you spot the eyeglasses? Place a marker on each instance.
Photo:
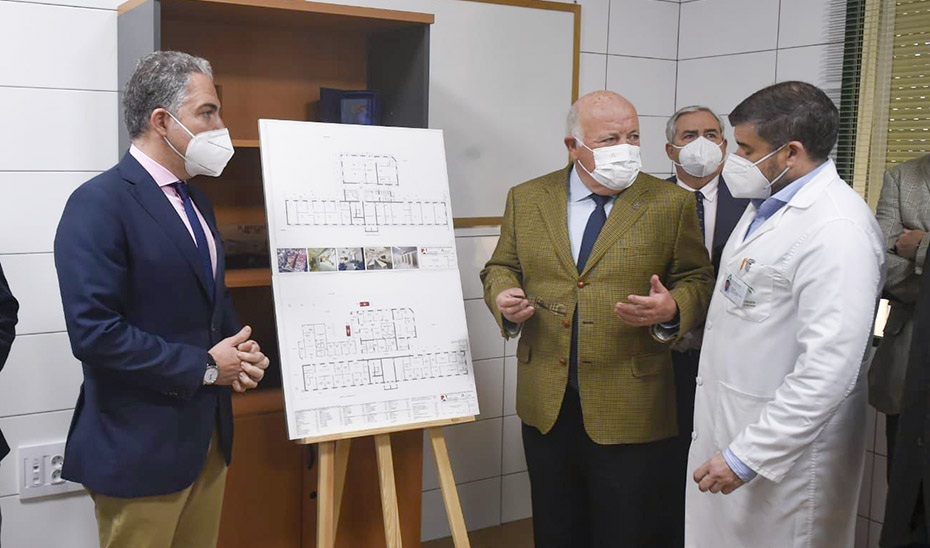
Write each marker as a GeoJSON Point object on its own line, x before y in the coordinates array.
{"type": "Point", "coordinates": [555, 308]}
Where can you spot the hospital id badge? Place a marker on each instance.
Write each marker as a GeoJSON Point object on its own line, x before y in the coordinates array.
{"type": "Point", "coordinates": [736, 290]}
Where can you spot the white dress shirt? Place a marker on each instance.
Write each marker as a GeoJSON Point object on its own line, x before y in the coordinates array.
{"type": "Point", "coordinates": [580, 208]}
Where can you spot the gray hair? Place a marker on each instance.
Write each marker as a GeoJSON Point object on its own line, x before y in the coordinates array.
{"type": "Point", "coordinates": [159, 81]}
{"type": "Point", "coordinates": [670, 125]}
{"type": "Point", "coordinates": [572, 123]}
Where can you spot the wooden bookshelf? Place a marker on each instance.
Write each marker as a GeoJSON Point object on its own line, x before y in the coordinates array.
{"type": "Point", "coordinates": [270, 58]}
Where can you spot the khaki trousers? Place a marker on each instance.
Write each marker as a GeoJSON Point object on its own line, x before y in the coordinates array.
{"type": "Point", "coordinates": [186, 519]}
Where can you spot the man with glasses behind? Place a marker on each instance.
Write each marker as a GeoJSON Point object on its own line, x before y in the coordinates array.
{"type": "Point", "coordinates": [696, 146]}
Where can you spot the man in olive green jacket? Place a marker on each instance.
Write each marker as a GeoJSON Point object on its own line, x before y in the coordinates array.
{"type": "Point", "coordinates": [598, 268]}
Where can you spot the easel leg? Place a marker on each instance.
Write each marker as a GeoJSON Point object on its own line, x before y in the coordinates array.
{"type": "Point", "coordinates": [449, 493]}
{"type": "Point", "coordinates": [325, 530]}
{"type": "Point", "coordinates": [388, 491]}
{"type": "Point", "coordinates": [342, 464]}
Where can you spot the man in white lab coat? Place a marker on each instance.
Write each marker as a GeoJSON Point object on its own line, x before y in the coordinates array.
{"type": "Point", "coordinates": [780, 406]}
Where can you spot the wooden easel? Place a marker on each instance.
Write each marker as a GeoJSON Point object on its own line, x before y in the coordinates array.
{"type": "Point", "coordinates": [334, 460]}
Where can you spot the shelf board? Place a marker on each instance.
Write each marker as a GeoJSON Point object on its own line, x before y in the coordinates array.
{"type": "Point", "coordinates": [258, 402]}
{"type": "Point", "coordinates": [245, 143]}
{"type": "Point", "coordinates": [248, 277]}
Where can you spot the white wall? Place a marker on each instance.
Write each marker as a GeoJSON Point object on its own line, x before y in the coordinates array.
{"type": "Point", "coordinates": [58, 91]}
{"type": "Point", "coordinates": [60, 106]}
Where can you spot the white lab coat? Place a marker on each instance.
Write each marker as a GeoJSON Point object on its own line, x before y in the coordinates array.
{"type": "Point", "coordinates": [781, 378]}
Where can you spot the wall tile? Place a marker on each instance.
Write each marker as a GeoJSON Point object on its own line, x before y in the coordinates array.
{"type": "Point", "coordinates": [510, 346]}
{"type": "Point", "coordinates": [719, 27]}
{"type": "Point", "coordinates": [870, 425]}
{"type": "Point", "coordinates": [865, 491]}
{"type": "Point", "coordinates": [643, 28]}
{"type": "Point", "coordinates": [594, 15]}
{"type": "Point", "coordinates": [721, 83]}
{"type": "Point", "coordinates": [862, 533]}
{"type": "Point", "coordinates": [592, 74]}
{"type": "Point", "coordinates": [875, 534]}
{"type": "Point", "coordinates": [49, 53]}
{"type": "Point", "coordinates": [83, 125]}
{"type": "Point", "coordinates": [818, 65]}
{"type": "Point", "coordinates": [34, 282]}
{"type": "Point", "coordinates": [94, 4]}
{"type": "Point", "coordinates": [510, 386]}
{"type": "Point", "coordinates": [474, 449]}
{"type": "Point", "coordinates": [881, 437]}
{"type": "Point", "coordinates": [648, 83]}
{"type": "Point", "coordinates": [481, 505]}
{"type": "Point", "coordinates": [652, 141]}
{"type": "Point", "coordinates": [483, 333]}
{"type": "Point", "coordinates": [52, 522]}
{"type": "Point", "coordinates": [513, 458]}
{"type": "Point", "coordinates": [35, 213]}
{"type": "Point", "coordinates": [40, 375]}
{"type": "Point", "coordinates": [516, 503]}
{"type": "Point", "coordinates": [472, 254]}
{"type": "Point", "coordinates": [879, 489]}
{"type": "Point", "coordinates": [489, 379]}
{"type": "Point", "coordinates": [28, 430]}
{"type": "Point", "coordinates": [807, 22]}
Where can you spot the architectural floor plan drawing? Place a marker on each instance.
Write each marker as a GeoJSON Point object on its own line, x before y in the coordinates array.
{"type": "Point", "coordinates": [368, 300]}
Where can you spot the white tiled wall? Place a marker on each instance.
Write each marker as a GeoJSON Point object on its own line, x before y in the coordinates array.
{"type": "Point", "coordinates": [58, 88]}
{"type": "Point", "coordinates": [662, 55]}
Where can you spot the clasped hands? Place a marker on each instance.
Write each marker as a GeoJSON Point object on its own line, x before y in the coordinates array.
{"type": "Point", "coordinates": [641, 311]}
{"type": "Point", "coordinates": [907, 243]}
{"type": "Point", "coordinates": [240, 361]}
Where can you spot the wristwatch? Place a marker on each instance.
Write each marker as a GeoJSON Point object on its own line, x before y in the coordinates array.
{"type": "Point", "coordinates": [212, 372]}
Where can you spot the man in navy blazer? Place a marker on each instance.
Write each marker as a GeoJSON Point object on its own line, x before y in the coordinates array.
{"type": "Point", "coordinates": [8, 309]}
{"type": "Point", "coordinates": [141, 270]}
{"type": "Point", "coordinates": [697, 147]}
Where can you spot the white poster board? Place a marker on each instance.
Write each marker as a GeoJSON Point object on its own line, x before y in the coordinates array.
{"type": "Point", "coordinates": [368, 299]}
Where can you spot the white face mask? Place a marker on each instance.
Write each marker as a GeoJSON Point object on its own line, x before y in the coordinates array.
{"type": "Point", "coordinates": [745, 179]}
{"type": "Point", "coordinates": [615, 167]}
{"type": "Point", "coordinates": [208, 152]}
{"type": "Point", "coordinates": [700, 157]}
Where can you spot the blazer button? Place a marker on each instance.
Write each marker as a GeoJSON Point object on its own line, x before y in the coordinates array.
{"type": "Point", "coordinates": [563, 361]}
{"type": "Point", "coordinates": [699, 381]}
{"type": "Point", "coordinates": [580, 284]}
{"type": "Point", "coordinates": [694, 435]}
{"type": "Point", "coordinates": [566, 323]}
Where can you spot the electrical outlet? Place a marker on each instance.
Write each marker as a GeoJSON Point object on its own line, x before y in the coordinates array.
{"type": "Point", "coordinates": [40, 471]}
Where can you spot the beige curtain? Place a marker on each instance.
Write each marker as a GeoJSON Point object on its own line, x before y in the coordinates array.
{"type": "Point", "coordinates": [893, 123]}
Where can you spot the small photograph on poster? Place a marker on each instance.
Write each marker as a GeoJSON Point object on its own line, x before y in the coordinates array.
{"type": "Point", "coordinates": [378, 258]}
{"type": "Point", "coordinates": [292, 259]}
{"type": "Point", "coordinates": [322, 259]}
{"type": "Point", "coordinates": [351, 258]}
{"type": "Point", "coordinates": [405, 258]}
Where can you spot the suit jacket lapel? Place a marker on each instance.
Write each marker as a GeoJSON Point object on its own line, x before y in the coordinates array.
{"type": "Point", "coordinates": [154, 201]}
{"type": "Point", "coordinates": [554, 210]}
{"type": "Point", "coordinates": [729, 212]}
{"type": "Point", "coordinates": [627, 208]}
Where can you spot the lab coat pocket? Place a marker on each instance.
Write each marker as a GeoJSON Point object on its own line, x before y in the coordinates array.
{"type": "Point", "coordinates": [735, 411]}
{"type": "Point", "coordinates": [756, 305]}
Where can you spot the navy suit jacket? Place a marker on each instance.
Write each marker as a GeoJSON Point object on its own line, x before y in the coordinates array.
{"type": "Point", "coordinates": [140, 321]}
{"type": "Point", "coordinates": [8, 309]}
{"type": "Point", "coordinates": [729, 211]}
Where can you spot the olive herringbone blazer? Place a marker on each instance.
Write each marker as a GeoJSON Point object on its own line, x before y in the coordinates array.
{"type": "Point", "coordinates": [625, 374]}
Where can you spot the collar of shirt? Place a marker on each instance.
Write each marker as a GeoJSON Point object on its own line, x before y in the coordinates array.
{"type": "Point", "coordinates": [160, 173]}
{"type": "Point", "coordinates": [577, 190]}
{"type": "Point", "coordinates": [769, 206]}
{"type": "Point", "coordinates": [709, 190]}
